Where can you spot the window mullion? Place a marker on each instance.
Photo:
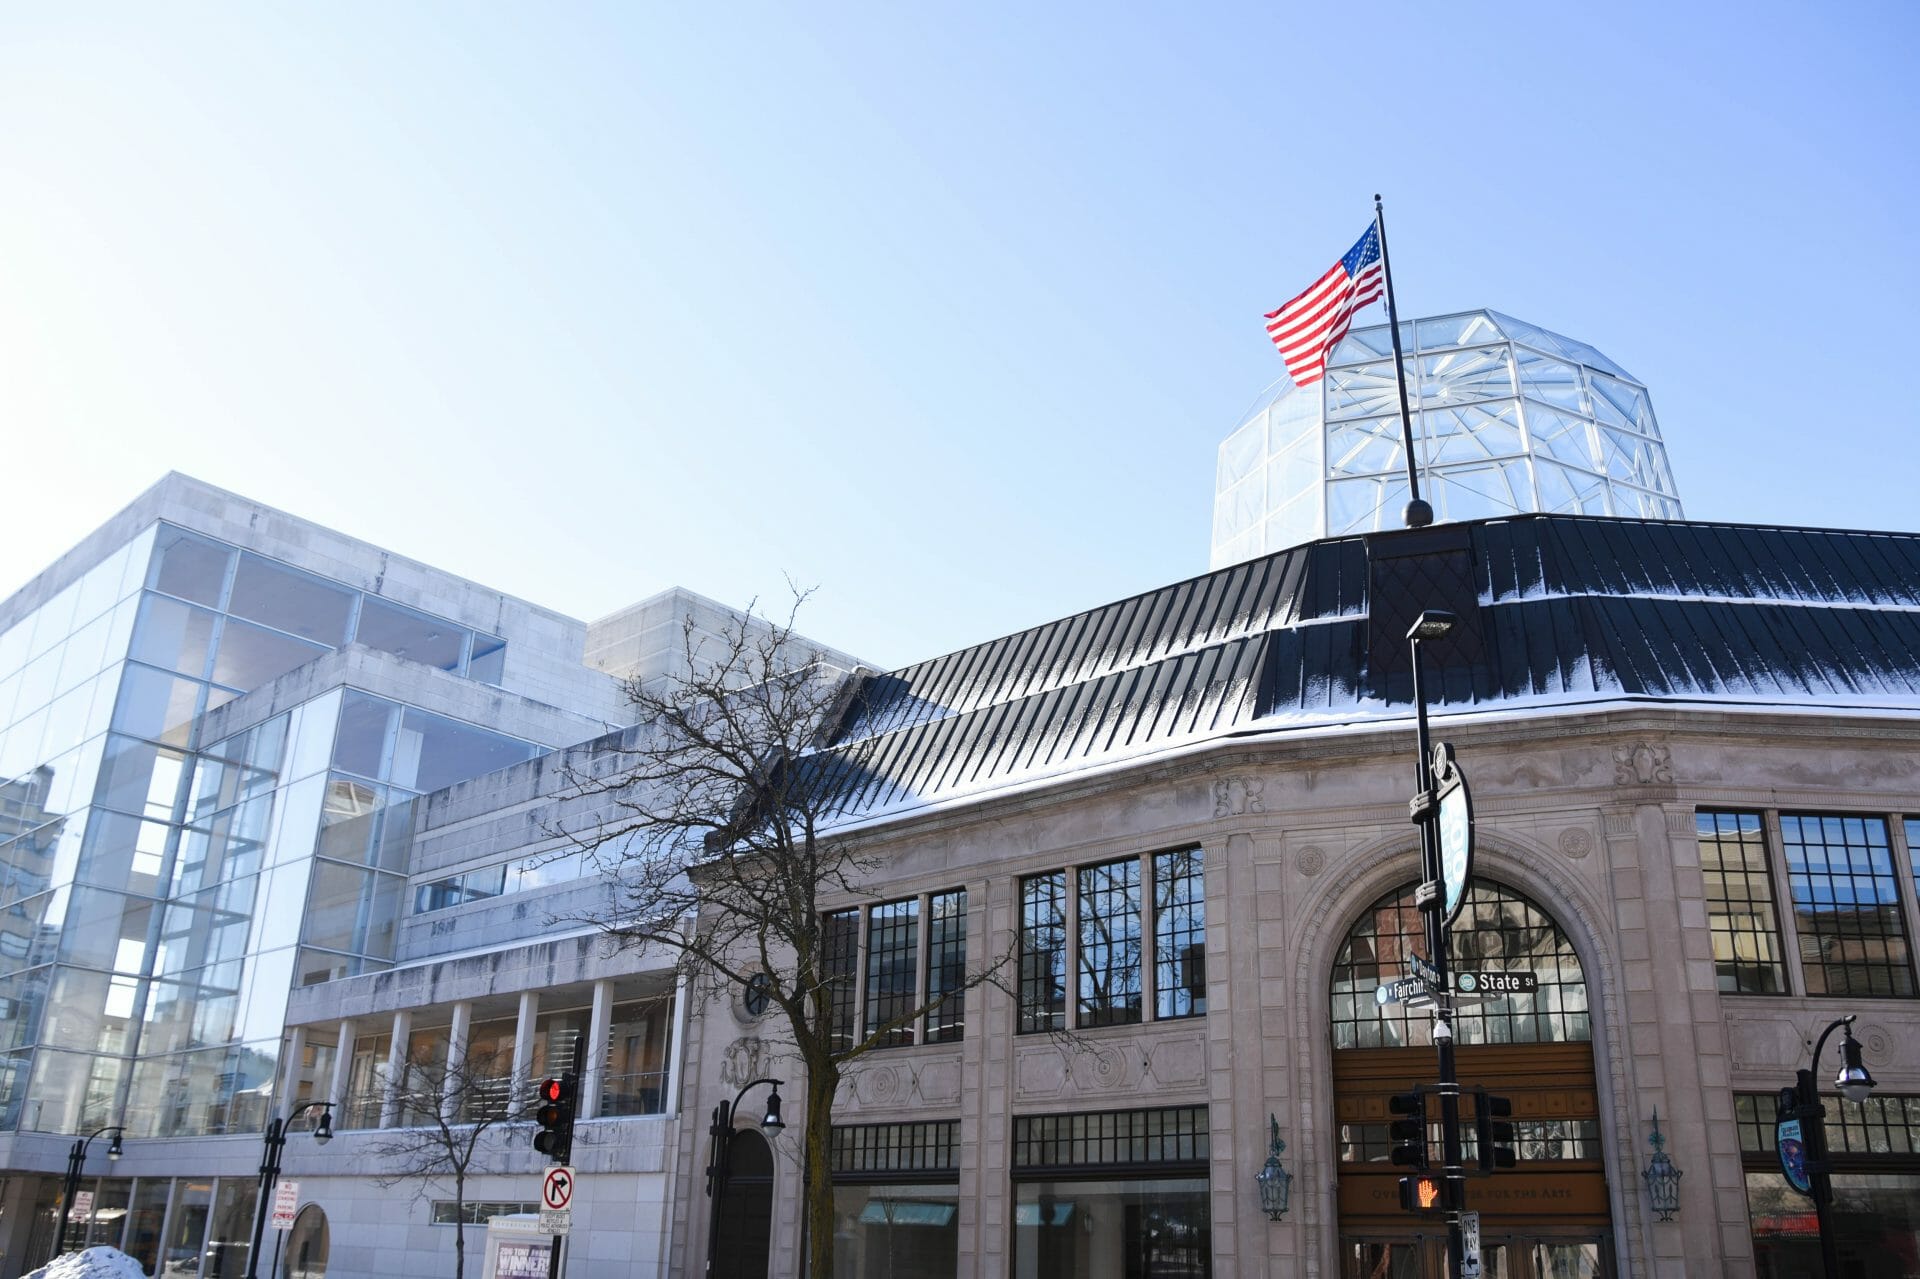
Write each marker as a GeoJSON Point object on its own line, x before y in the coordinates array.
{"type": "Point", "coordinates": [1072, 939]}
{"type": "Point", "coordinates": [1908, 890]}
{"type": "Point", "coordinates": [861, 924]}
{"type": "Point", "coordinates": [1785, 906]}
{"type": "Point", "coordinates": [923, 936]}
{"type": "Point", "coordinates": [1149, 939]}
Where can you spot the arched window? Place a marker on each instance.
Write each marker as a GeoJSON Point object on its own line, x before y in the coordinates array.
{"type": "Point", "coordinates": [1498, 930]}
{"type": "Point", "coordinates": [305, 1256]}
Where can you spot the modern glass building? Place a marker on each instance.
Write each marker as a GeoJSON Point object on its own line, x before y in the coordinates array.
{"type": "Point", "coordinates": [215, 720]}
{"type": "Point", "coordinates": [1508, 418]}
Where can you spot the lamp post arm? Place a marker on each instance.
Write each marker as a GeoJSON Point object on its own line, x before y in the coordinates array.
{"type": "Point", "coordinates": [1820, 1045]}
{"type": "Point", "coordinates": [742, 1094]}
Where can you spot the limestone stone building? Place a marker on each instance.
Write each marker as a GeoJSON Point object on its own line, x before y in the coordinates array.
{"type": "Point", "coordinates": [1694, 751]}
{"type": "Point", "coordinates": [279, 826]}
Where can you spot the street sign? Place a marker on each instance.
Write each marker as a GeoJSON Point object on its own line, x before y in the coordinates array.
{"type": "Point", "coordinates": [1424, 971]}
{"type": "Point", "coordinates": [556, 1221]}
{"type": "Point", "coordinates": [286, 1204]}
{"type": "Point", "coordinates": [1455, 828]}
{"type": "Point", "coordinates": [82, 1204]}
{"type": "Point", "coordinates": [1493, 985]}
{"type": "Point", "coordinates": [556, 1189]}
{"type": "Point", "coordinates": [1404, 990]}
{"type": "Point", "coordinates": [1469, 1245]}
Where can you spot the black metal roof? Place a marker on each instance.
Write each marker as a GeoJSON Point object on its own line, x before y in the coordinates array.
{"type": "Point", "coordinates": [1554, 611]}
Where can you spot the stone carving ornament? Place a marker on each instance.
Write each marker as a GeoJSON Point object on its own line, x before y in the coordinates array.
{"type": "Point", "coordinates": [1312, 860]}
{"type": "Point", "coordinates": [1575, 843]}
{"type": "Point", "coordinates": [1642, 764]}
{"type": "Point", "coordinates": [1233, 796]}
{"type": "Point", "coordinates": [744, 1061]}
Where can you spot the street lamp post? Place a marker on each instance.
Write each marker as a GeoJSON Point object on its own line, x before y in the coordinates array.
{"type": "Point", "coordinates": [76, 1161]}
{"type": "Point", "coordinates": [1432, 898]}
{"type": "Point", "coordinates": [719, 1166]}
{"type": "Point", "coordinates": [270, 1169]}
{"type": "Point", "coordinates": [1854, 1084]}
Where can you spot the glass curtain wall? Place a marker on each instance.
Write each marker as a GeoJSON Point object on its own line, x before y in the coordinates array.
{"type": "Point", "coordinates": [158, 896]}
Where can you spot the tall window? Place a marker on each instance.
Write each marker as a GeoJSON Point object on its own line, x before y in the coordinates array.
{"type": "Point", "coordinates": [947, 965]}
{"type": "Point", "coordinates": [1106, 948]}
{"type": "Point", "coordinates": [1043, 952]}
{"type": "Point", "coordinates": [1846, 905]}
{"type": "Point", "coordinates": [839, 965]}
{"type": "Point", "coordinates": [893, 963]}
{"type": "Point", "coordinates": [1746, 935]}
{"type": "Point", "coordinates": [1179, 935]}
{"type": "Point", "coordinates": [1110, 943]}
{"type": "Point", "coordinates": [880, 965]}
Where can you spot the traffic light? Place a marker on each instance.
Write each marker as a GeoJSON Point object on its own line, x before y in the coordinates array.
{"type": "Point", "coordinates": [555, 1117]}
{"type": "Point", "coordinates": [1495, 1133]}
{"type": "Point", "coordinates": [1421, 1193]}
{"type": "Point", "coordinates": [1410, 1132]}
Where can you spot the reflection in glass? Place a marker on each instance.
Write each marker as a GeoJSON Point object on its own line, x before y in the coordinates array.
{"type": "Point", "coordinates": [251, 655]}
{"type": "Point", "coordinates": [193, 568]}
{"type": "Point", "coordinates": [1846, 904]}
{"type": "Point", "coordinates": [893, 958]}
{"type": "Point", "coordinates": [884, 1231]}
{"type": "Point", "coordinates": [144, 1220]}
{"type": "Point", "coordinates": [1096, 1229]}
{"type": "Point", "coordinates": [172, 636]}
{"type": "Point", "coordinates": [1109, 904]}
{"type": "Point", "coordinates": [230, 1236]}
{"type": "Point", "coordinates": [287, 599]}
{"type": "Point", "coordinates": [433, 752]}
{"type": "Point", "coordinates": [364, 738]}
{"type": "Point", "coordinates": [156, 706]}
{"type": "Point", "coordinates": [1497, 929]}
{"type": "Point", "coordinates": [414, 636]}
{"type": "Point", "coordinates": [187, 1226]}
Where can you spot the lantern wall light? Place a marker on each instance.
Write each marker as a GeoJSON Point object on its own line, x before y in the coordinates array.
{"type": "Point", "coordinates": [1273, 1179]}
{"type": "Point", "coordinates": [1662, 1178]}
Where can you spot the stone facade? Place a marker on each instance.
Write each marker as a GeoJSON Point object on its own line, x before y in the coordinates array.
{"type": "Point", "coordinates": [1590, 815]}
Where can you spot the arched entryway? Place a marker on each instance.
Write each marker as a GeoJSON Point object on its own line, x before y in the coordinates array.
{"type": "Point", "coordinates": [746, 1209]}
{"type": "Point", "coordinates": [1546, 1219]}
{"type": "Point", "coordinates": [306, 1247]}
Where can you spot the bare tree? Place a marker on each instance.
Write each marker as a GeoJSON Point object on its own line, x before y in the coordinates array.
{"type": "Point", "coordinates": [714, 820]}
{"type": "Point", "coordinates": [447, 1108]}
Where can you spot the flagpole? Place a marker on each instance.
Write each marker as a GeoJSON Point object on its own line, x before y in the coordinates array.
{"type": "Point", "coordinates": [1418, 514]}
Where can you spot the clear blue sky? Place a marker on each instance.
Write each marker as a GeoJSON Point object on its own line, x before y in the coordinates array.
{"type": "Point", "coordinates": [941, 308]}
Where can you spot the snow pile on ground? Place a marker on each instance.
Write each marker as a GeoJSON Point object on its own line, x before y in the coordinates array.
{"type": "Point", "coordinates": [94, 1263]}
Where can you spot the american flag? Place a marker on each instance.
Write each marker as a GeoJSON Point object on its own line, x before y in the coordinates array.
{"type": "Point", "coordinates": [1311, 325]}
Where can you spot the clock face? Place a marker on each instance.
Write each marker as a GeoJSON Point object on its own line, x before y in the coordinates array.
{"type": "Point", "coordinates": [1456, 845]}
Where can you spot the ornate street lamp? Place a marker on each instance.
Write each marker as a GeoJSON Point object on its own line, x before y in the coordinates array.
{"type": "Point", "coordinates": [76, 1161]}
{"type": "Point", "coordinates": [1802, 1114]}
{"type": "Point", "coordinates": [270, 1168]}
{"type": "Point", "coordinates": [718, 1171]}
{"type": "Point", "coordinates": [1274, 1181]}
{"type": "Point", "coordinates": [1662, 1178]}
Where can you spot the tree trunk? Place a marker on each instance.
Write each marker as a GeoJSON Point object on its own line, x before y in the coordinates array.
{"type": "Point", "coordinates": [817, 1171]}
{"type": "Point", "coordinates": [459, 1225]}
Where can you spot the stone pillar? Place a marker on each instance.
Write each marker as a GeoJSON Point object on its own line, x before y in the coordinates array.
{"type": "Point", "coordinates": [456, 1073]}
{"type": "Point", "coordinates": [593, 1072]}
{"type": "Point", "coordinates": [396, 1067]}
{"type": "Point", "coordinates": [342, 1071]}
{"type": "Point", "coordinates": [676, 1048]}
{"type": "Point", "coordinates": [523, 1025]}
{"type": "Point", "coordinates": [290, 1071]}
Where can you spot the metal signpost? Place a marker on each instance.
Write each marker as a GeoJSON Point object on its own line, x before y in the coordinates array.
{"type": "Point", "coordinates": [557, 1185]}
{"type": "Point", "coordinates": [1469, 1245]}
{"type": "Point", "coordinates": [286, 1205]}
